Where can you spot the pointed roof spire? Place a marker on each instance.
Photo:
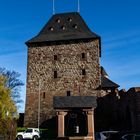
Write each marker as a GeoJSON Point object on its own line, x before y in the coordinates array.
{"type": "Point", "coordinates": [105, 81]}
{"type": "Point", "coordinates": [103, 72]}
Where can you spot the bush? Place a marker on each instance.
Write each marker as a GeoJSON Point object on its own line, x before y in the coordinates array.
{"type": "Point", "coordinates": [21, 129]}
{"type": "Point", "coordinates": [43, 133]}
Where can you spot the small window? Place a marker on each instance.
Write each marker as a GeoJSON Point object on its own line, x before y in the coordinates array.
{"type": "Point", "coordinates": [70, 19]}
{"type": "Point", "coordinates": [83, 72]}
{"type": "Point", "coordinates": [37, 131]}
{"type": "Point", "coordinates": [29, 131]}
{"type": "Point", "coordinates": [63, 28]}
{"type": "Point", "coordinates": [58, 21]}
{"type": "Point", "coordinates": [51, 28]}
{"type": "Point", "coordinates": [75, 26]}
{"type": "Point", "coordinates": [55, 57]}
{"type": "Point", "coordinates": [83, 55]}
{"type": "Point", "coordinates": [68, 93]}
{"type": "Point", "coordinates": [44, 95]}
{"type": "Point", "coordinates": [55, 74]}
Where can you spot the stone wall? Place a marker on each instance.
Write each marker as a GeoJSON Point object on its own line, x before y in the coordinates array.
{"type": "Point", "coordinates": [69, 66]}
{"type": "Point", "coordinates": [133, 104]}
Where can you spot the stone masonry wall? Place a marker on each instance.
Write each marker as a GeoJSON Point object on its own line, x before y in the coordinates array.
{"type": "Point", "coordinates": [41, 67]}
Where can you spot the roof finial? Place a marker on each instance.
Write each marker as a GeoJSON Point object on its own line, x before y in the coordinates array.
{"type": "Point", "coordinates": [53, 7]}
{"type": "Point", "coordinates": [78, 6]}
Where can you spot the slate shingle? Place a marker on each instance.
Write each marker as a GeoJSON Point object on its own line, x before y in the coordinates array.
{"type": "Point", "coordinates": [74, 102]}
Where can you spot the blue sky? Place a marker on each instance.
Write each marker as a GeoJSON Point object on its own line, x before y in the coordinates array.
{"type": "Point", "coordinates": [116, 21]}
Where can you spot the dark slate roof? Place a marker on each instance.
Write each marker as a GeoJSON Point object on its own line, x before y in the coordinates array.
{"type": "Point", "coordinates": [74, 102]}
{"type": "Point", "coordinates": [107, 83]}
{"type": "Point", "coordinates": [64, 27]}
{"type": "Point", "coordinates": [103, 72]}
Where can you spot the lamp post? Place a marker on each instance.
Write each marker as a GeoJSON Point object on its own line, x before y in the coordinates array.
{"type": "Point", "coordinates": [39, 90]}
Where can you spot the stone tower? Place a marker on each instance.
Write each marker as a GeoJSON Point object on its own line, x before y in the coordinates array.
{"type": "Point", "coordinates": [64, 59]}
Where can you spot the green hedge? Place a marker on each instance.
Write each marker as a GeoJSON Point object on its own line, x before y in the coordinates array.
{"type": "Point", "coordinates": [21, 129]}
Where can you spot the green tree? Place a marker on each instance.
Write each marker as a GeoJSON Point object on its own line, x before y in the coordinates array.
{"type": "Point", "coordinates": [12, 82]}
{"type": "Point", "coordinates": [8, 109]}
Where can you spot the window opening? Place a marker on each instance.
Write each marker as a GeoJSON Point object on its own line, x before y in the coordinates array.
{"type": "Point", "coordinates": [83, 72]}
{"type": "Point", "coordinates": [63, 28]}
{"type": "Point", "coordinates": [55, 57]}
{"type": "Point", "coordinates": [70, 19]}
{"type": "Point", "coordinates": [83, 56]}
{"type": "Point", "coordinates": [75, 26]}
{"type": "Point", "coordinates": [68, 93]}
{"type": "Point", "coordinates": [58, 21]}
{"type": "Point", "coordinates": [55, 74]}
{"type": "Point", "coordinates": [44, 95]}
{"type": "Point", "coordinates": [51, 28]}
